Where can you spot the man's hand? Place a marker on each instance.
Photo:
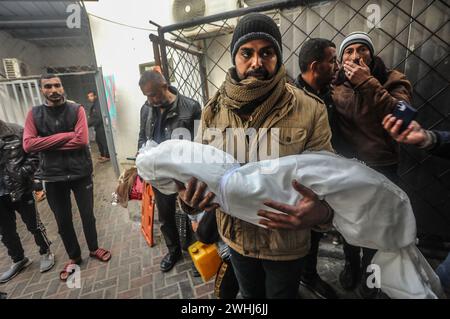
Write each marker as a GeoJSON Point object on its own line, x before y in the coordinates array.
{"type": "Point", "coordinates": [414, 134]}
{"type": "Point", "coordinates": [193, 196]}
{"type": "Point", "coordinates": [308, 212]}
{"type": "Point", "coordinates": [356, 74]}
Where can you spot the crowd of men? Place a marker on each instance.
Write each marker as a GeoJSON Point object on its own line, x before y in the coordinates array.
{"type": "Point", "coordinates": [342, 101]}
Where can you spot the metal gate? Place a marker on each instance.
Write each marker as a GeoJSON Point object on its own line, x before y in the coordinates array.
{"type": "Point", "coordinates": [185, 67]}
{"type": "Point", "coordinates": [409, 35]}
{"type": "Point", "coordinates": [16, 98]}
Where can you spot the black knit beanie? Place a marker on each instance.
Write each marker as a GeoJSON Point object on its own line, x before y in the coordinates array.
{"type": "Point", "coordinates": [255, 26]}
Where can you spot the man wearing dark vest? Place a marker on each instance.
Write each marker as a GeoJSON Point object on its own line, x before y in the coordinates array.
{"type": "Point", "coordinates": [58, 131]}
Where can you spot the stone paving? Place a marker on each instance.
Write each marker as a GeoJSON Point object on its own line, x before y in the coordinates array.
{"type": "Point", "coordinates": [133, 271]}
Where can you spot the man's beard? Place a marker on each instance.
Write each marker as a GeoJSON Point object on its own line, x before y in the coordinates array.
{"type": "Point", "coordinates": [326, 80]}
{"type": "Point", "coordinates": [55, 98]}
{"type": "Point", "coordinates": [163, 105]}
{"type": "Point", "coordinates": [259, 73]}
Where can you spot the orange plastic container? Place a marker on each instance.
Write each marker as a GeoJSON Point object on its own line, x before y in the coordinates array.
{"type": "Point", "coordinates": [205, 258]}
{"type": "Point", "coordinates": [148, 210]}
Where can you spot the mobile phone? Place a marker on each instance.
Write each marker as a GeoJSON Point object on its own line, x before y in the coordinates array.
{"type": "Point", "coordinates": [404, 111]}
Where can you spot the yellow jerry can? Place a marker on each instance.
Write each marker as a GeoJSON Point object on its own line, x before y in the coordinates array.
{"type": "Point", "coordinates": [205, 258]}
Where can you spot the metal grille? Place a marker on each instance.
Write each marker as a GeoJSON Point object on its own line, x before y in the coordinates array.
{"type": "Point", "coordinates": [410, 36]}
{"type": "Point", "coordinates": [182, 66]}
{"type": "Point", "coordinates": [16, 97]}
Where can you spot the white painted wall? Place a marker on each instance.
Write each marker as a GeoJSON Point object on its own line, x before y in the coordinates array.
{"type": "Point", "coordinates": [119, 51]}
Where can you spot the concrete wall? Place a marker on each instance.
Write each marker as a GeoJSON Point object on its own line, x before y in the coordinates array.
{"type": "Point", "coordinates": [119, 51]}
{"type": "Point", "coordinates": [66, 56]}
{"type": "Point", "coordinates": [23, 50]}
{"type": "Point", "coordinates": [37, 58]}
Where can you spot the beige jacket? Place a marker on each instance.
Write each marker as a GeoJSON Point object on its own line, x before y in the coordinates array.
{"type": "Point", "coordinates": [303, 125]}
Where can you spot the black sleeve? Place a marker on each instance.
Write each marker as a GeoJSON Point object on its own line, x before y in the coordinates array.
{"type": "Point", "coordinates": [197, 113]}
{"type": "Point", "coordinates": [207, 231]}
{"type": "Point", "coordinates": [30, 163]}
{"type": "Point", "coordinates": [442, 148]}
{"type": "Point", "coordinates": [144, 114]}
{"type": "Point", "coordinates": [95, 117]}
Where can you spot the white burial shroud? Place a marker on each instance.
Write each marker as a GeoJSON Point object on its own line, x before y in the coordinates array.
{"type": "Point", "coordinates": [369, 210]}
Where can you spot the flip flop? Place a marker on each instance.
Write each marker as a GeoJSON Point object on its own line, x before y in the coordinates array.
{"type": "Point", "coordinates": [101, 254]}
{"type": "Point", "coordinates": [65, 273]}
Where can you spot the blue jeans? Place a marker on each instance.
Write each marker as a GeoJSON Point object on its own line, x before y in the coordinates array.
{"type": "Point", "coordinates": [261, 279]}
{"type": "Point", "coordinates": [443, 271]}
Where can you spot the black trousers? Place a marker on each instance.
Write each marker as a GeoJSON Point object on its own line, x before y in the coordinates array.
{"type": "Point", "coordinates": [37, 186]}
{"type": "Point", "coordinates": [226, 285]}
{"type": "Point", "coordinates": [352, 253]}
{"type": "Point", "coordinates": [8, 228]}
{"type": "Point", "coordinates": [166, 205]}
{"type": "Point", "coordinates": [100, 139]}
{"type": "Point", "coordinates": [58, 197]}
{"type": "Point", "coordinates": [261, 279]}
{"type": "Point", "coordinates": [310, 260]}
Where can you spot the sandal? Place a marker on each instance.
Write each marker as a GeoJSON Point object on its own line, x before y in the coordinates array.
{"type": "Point", "coordinates": [65, 273]}
{"type": "Point", "coordinates": [101, 254]}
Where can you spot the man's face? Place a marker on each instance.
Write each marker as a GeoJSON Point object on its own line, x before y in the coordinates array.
{"type": "Point", "coordinates": [53, 90]}
{"type": "Point", "coordinates": [91, 97]}
{"type": "Point", "coordinates": [325, 71]}
{"type": "Point", "coordinates": [256, 59]}
{"type": "Point", "coordinates": [155, 93]}
{"type": "Point", "coordinates": [356, 51]}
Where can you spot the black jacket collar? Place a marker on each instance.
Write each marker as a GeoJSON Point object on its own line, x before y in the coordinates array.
{"type": "Point", "coordinates": [301, 83]}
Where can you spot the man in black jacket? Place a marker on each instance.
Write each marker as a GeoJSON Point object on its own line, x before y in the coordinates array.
{"type": "Point", "coordinates": [16, 186]}
{"type": "Point", "coordinates": [95, 120]}
{"type": "Point", "coordinates": [318, 66]}
{"type": "Point", "coordinates": [164, 111]}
